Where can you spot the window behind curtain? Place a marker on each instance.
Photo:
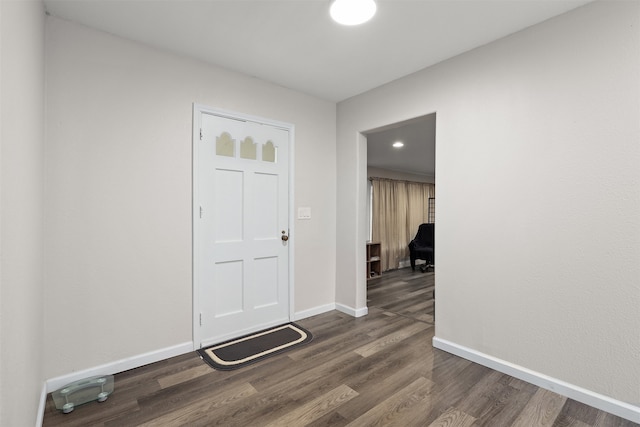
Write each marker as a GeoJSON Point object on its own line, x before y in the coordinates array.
{"type": "Point", "coordinates": [398, 208]}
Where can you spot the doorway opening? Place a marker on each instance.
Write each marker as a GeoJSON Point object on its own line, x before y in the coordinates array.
{"type": "Point", "coordinates": [401, 190]}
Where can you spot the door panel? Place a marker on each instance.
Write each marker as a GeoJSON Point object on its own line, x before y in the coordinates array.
{"type": "Point", "coordinates": [227, 288]}
{"type": "Point", "coordinates": [241, 261]}
{"type": "Point", "coordinates": [228, 203]}
{"type": "Point", "coordinates": [266, 207]}
{"type": "Point", "coordinates": [267, 295]}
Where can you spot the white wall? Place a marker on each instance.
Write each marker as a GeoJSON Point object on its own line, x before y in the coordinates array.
{"type": "Point", "coordinates": [537, 154]}
{"type": "Point", "coordinates": [21, 201]}
{"type": "Point", "coordinates": [118, 192]}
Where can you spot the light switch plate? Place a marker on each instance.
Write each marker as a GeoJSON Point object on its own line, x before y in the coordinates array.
{"type": "Point", "coordinates": [304, 213]}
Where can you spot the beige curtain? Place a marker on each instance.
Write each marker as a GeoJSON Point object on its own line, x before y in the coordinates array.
{"type": "Point", "coordinates": [398, 208]}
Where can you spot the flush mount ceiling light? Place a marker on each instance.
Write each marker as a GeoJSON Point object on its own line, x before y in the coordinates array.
{"type": "Point", "coordinates": [398, 144]}
{"type": "Point", "coordinates": [352, 12]}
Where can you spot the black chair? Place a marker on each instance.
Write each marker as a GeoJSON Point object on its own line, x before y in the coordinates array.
{"type": "Point", "coordinates": [421, 247]}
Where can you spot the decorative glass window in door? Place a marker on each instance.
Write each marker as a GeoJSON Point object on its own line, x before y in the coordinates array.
{"type": "Point", "coordinates": [225, 145]}
{"type": "Point", "coordinates": [269, 152]}
{"type": "Point", "coordinates": [248, 149]}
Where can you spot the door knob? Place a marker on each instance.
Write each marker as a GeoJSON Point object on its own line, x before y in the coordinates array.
{"type": "Point", "coordinates": [284, 236]}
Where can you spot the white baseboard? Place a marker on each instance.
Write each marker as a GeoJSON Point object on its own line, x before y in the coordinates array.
{"type": "Point", "coordinates": [359, 312]}
{"type": "Point", "coordinates": [588, 397]}
{"type": "Point", "coordinates": [119, 365]}
{"type": "Point", "coordinates": [313, 311]}
{"type": "Point", "coordinates": [355, 312]}
{"type": "Point", "coordinates": [42, 406]}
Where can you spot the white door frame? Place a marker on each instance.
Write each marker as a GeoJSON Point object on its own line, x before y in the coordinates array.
{"type": "Point", "coordinates": [198, 110]}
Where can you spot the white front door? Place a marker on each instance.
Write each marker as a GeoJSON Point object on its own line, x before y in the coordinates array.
{"type": "Point", "coordinates": [241, 226]}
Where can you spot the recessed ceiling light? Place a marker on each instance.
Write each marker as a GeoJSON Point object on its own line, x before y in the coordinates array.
{"type": "Point", "coordinates": [352, 12]}
{"type": "Point", "coordinates": [398, 144]}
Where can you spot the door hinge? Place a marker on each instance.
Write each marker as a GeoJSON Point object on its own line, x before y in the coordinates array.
{"type": "Point", "coordinates": [200, 134]}
{"type": "Point", "coordinates": [200, 319]}
{"type": "Point", "coordinates": [200, 211]}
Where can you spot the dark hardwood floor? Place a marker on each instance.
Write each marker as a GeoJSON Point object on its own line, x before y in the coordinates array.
{"type": "Point", "coordinates": [379, 369]}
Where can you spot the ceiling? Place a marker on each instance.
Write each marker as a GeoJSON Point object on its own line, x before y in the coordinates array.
{"type": "Point", "coordinates": [295, 44]}
{"type": "Point", "coordinates": [418, 156]}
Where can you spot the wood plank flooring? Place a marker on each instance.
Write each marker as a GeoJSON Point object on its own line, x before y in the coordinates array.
{"type": "Point", "coordinates": [377, 370]}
